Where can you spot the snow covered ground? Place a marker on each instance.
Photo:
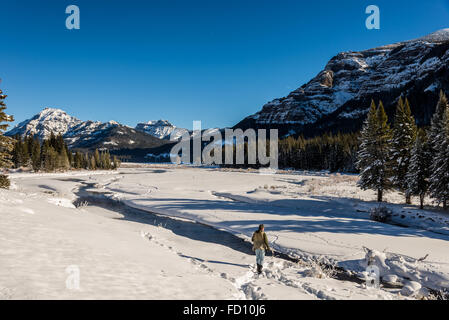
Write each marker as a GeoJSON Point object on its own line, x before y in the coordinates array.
{"type": "Point", "coordinates": [148, 246]}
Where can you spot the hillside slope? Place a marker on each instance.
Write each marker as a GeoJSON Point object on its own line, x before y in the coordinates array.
{"type": "Point", "coordinates": [338, 98]}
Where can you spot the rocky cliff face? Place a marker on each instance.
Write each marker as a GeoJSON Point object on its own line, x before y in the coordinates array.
{"type": "Point", "coordinates": [338, 98]}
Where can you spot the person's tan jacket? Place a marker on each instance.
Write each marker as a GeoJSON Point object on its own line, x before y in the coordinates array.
{"type": "Point", "coordinates": [260, 241]}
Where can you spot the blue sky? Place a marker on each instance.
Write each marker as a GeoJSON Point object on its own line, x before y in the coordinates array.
{"type": "Point", "coordinates": [215, 61]}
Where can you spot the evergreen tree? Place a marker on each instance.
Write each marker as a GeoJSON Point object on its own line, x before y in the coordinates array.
{"type": "Point", "coordinates": [51, 160]}
{"type": "Point", "coordinates": [63, 160]}
{"type": "Point", "coordinates": [105, 160]}
{"type": "Point", "coordinates": [44, 152]}
{"type": "Point", "coordinates": [24, 154]}
{"type": "Point", "coordinates": [367, 151]}
{"type": "Point", "coordinates": [116, 163]}
{"type": "Point", "coordinates": [439, 180]}
{"type": "Point", "coordinates": [404, 135]}
{"type": "Point", "coordinates": [70, 156]}
{"type": "Point", "coordinates": [374, 160]}
{"type": "Point", "coordinates": [86, 161]}
{"type": "Point", "coordinates": [417, 177]}
{"type": "Point", "coordinates": [78, 161]}
{"type": "Point", "coordinates": [53, 141]}
{"type": "Point", "coordinates": [21, 153]}
{"type": "Point", "coordinates": [59, 144]}
{"type": "Point", "coordinates": [436, 122]}
{"type": "Point", "coordinates": [97, 159]}
{"type": "Point", "coordinates": [49, 156]}
{"type": "Point", "coordinates": [16, 152]}
{"type": "Point", "coordinates": [36, 154]}
{"type": "Point", "coordinates": [28, 141]}
{"type": "Point", "coordinates": [92, 163]}
{"type": "Point", "coordinates": [437, 144]}
{"type": "Point", "coordinates": [6, 143]}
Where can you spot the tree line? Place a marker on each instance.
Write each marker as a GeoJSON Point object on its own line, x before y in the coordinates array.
{"type": "Point", "coordinates": [333, 152]}
{"type": "Point", "coordinates": [403, 157]}
{"type": "Point", "coordinates": [53, 154]}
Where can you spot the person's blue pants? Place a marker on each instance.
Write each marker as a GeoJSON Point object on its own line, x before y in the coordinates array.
{"type": "Point", "coordinates": [260, 255]}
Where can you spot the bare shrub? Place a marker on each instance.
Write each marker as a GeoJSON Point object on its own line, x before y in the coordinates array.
{"type": "Point", "coordinates": [319, 269]}
{"type": "Point", "coordinates": [80, 203]}
{"type": "Point", "coordinates": [380, 214]}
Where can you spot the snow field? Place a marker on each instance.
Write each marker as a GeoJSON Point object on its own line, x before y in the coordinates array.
{"type": "Point", "coordinates": [312, 216]}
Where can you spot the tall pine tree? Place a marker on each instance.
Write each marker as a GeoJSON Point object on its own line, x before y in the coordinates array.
{"type": "Point", "coordinates": [404, 135]}
{"type": "Point", "coordinates": [6, 144]}
{"type": "Point", "coordinates": [437, 140]}
{"type": "Point", "coordinates": [417, 177]}
{"type": "Point", "coordinates": [436, 122]}
{"type": "Point", "coordinates": [97, 159]}
{"type": "Point", "coordinates": [439, 180]}
{"type": "Point", "coordinates": [20, 153]}
{"type": "Point", "coordinates": [36, 154]}
{"type": "Point", "coordinates": [374, 160]}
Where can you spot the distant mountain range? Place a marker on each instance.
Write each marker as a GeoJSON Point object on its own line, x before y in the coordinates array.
{"type": "Point", "coordinates": [89, 135]}
{"type": "Point", "coordinates": [338, 98]}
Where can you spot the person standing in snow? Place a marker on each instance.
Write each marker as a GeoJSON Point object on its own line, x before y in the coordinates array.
{"type": "Point", "coordinates": [260, 244]}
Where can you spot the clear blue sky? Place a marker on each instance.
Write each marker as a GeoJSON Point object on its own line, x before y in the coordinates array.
{"type": "Point", "coordinates": [216, 61]}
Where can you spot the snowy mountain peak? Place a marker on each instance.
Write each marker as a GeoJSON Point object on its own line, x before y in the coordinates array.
{"type": "Point", "coordinates": [53, 113]}
{"type": "Point", "coordinates": [47, 121]}
{"type": "Point", "coordinates": [159, 123]}
{"type": "Point", "coordinates": [49, 110]}
{"type": "Point", "coordinates": [161, 129]}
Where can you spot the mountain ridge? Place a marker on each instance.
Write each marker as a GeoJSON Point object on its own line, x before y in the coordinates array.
{"type": "Point", "coordinates": [338, 97]}
{"type": "Point", "coordinates": [161, 129]}
{"type": "Point", "coordinates": [84, 135]}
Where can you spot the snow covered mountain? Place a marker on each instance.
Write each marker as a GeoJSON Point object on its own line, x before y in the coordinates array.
{"type": "Point", "coordinates": [161, 129]}
{"type": "Point", "coordinates": [110, 135]}
{"type": "Point", "coordinates": [339, 96]}
{"type": "Point", "coordinates": [47, 121]}
{"type": "Point", "coordinates": [86, 135]}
